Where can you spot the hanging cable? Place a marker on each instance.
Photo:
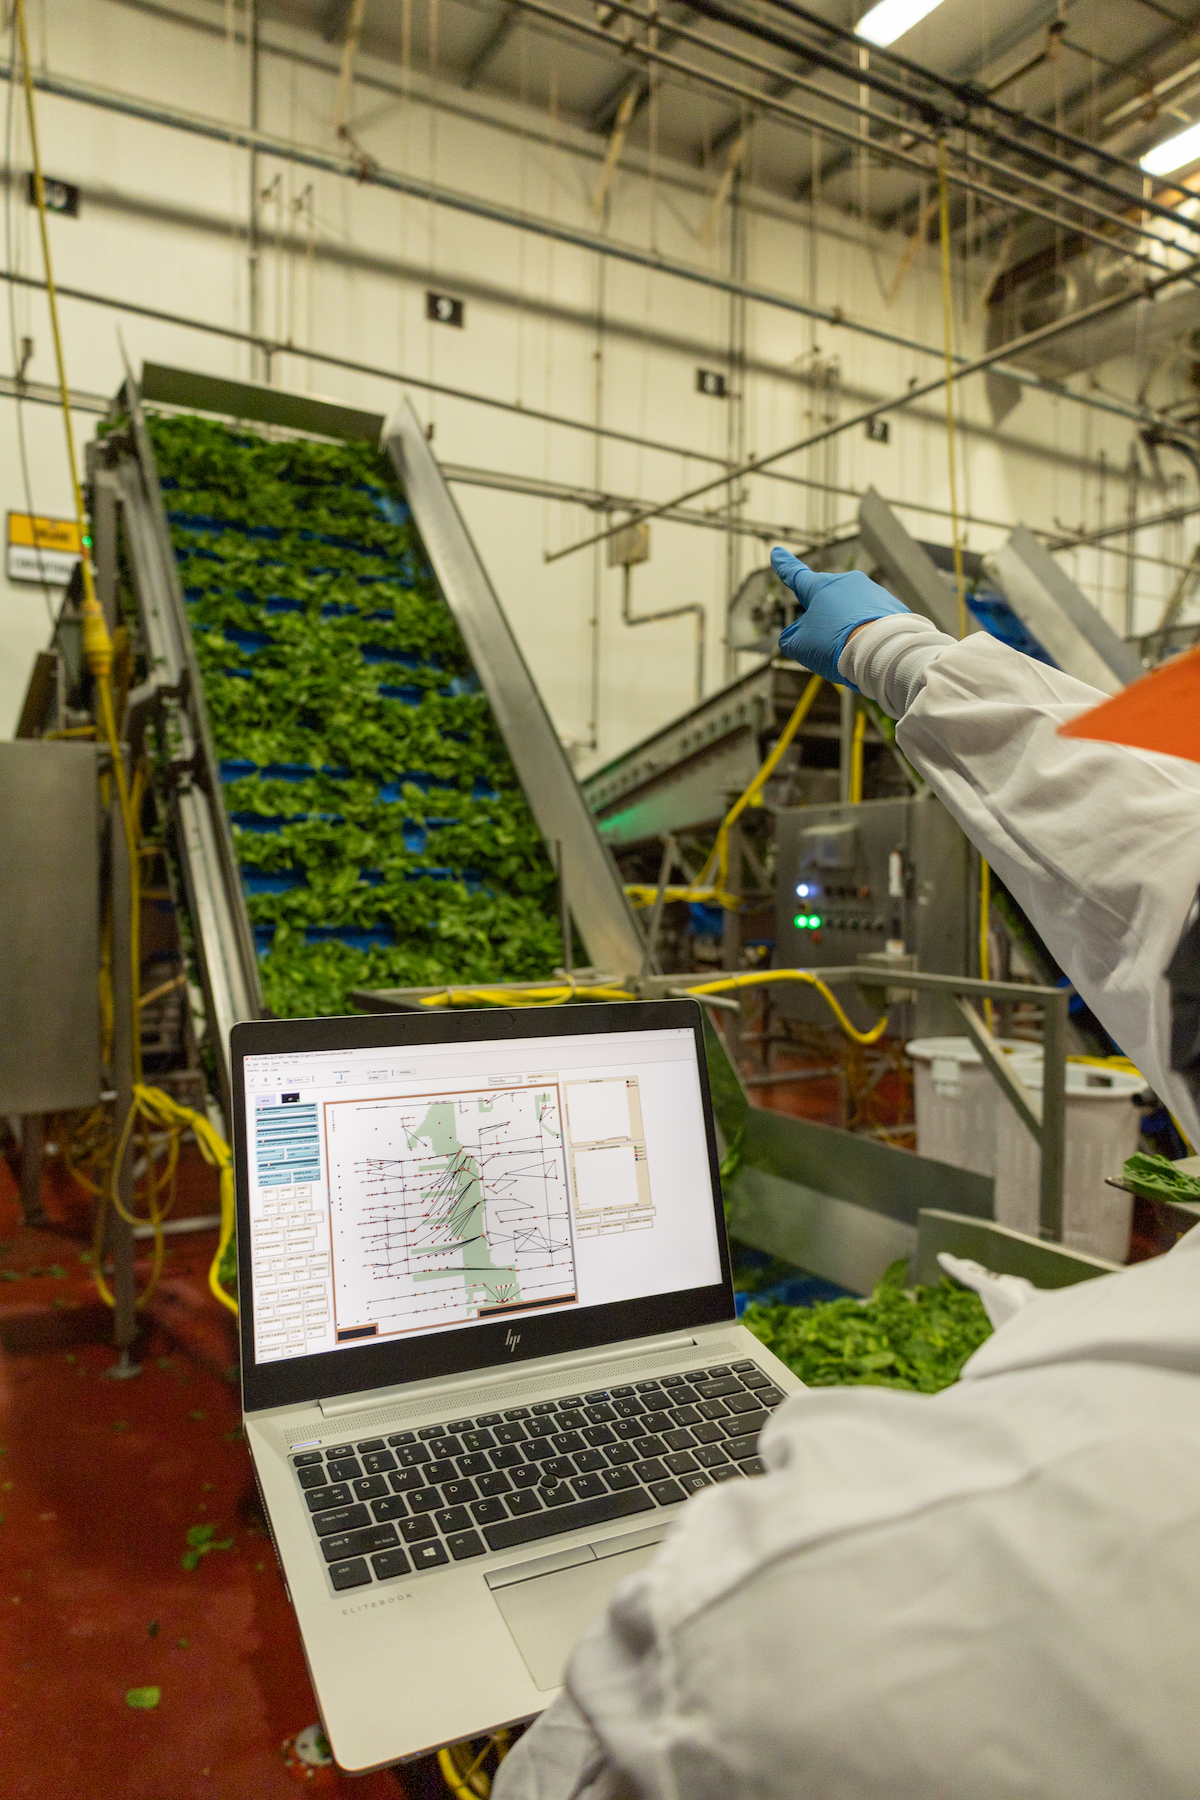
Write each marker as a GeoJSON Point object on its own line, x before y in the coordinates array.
{"type": "Point", "coordinates": [153, 1110]}
{"type": "Point", "coordinates": [856, 756]}
{"type": "Point", "coordinates": [556, 996]}
{"type": "Point", "coordinates": [97, 643]}
{"type": "Point", "coordinates": [948, 342]}
{"type": "Point", "coordinates": [462, 1769]}
{"type": "Point", "coordinates": [710, 883]}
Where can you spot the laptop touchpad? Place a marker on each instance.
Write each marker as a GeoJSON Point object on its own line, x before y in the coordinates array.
{"type": "Point", "coordinates": [547, 1613]}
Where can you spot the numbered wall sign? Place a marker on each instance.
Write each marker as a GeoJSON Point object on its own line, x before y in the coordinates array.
{"type": "Point", "coordinates": [879, 430]}
{"type": "Point", "coordinates": [43, 550]}
{"type": "Point", "coordinates": [444, 309]}
{"type": "Point", "coordinates": [61, 196]}
{"type": "Point", "coordinates": [710, 382]}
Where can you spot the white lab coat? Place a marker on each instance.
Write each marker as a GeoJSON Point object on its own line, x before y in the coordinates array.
{"type": "Point", "coordinates": [991, 1593]}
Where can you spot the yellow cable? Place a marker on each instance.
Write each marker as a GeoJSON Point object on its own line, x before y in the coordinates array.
{"type": "Point", "coordinates": [856, 757]}
{"type": "Point", "coordinates": [97, 643]}
{"type": "Point", "coordinates": [771, 976]}
{"type": "Point", "coordinates": [502, 996]}
{"type": "Point", "coordinates": [471, 1782]}
{"type": "Point", "coordinates": [156, 1108]}
{"type": "Point", "coordinates": [753, 794]}
{"type": "Point", "coordinates": [547, 996]}
{"type": "Point", "coordinates": [710, 884]}
{"type": "Point", "coordinates": [948, 337]}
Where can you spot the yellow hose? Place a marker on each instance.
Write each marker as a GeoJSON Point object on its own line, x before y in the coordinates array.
{"type": "Point", "coordinates": [462, 1770]}
{"type": "Point", "coordinates": [771, 976]}
{"type": "Point", "coordinates": [154, 1108]}
{"type": "Point", "coordinates": [710, 884]}
{"type": "Point", "coordinates": [544, 996]}
{"type": "Point", "coordinates": [555, 996]}
{"type": "Point", "coordinates": [856, 757]}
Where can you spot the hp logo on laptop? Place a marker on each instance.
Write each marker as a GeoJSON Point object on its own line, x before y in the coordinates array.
{"type": "Point", "coordinates": [511, 1339]}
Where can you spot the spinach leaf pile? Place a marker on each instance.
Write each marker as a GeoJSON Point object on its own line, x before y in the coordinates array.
{"type": "Point", "coordinates": [1157, 1178]}
{"type": "Point", "coordinates": [917, 1338]}
{"type": "Point", "coordinates": [382, 834]}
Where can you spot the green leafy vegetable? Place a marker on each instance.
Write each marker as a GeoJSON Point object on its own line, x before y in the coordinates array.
{"type": "Point", "coordinates": [917, 1339]}
{"type": "Point", "coordinates": [382, 833]}
{"type": "Point", "coordinates": [201, 1541]}
{"type": "Point", "coordinates": [1158, 1178]}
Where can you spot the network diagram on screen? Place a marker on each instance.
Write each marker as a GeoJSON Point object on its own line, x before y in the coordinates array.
{"type": "Point", "coordinates": [383, 1208]}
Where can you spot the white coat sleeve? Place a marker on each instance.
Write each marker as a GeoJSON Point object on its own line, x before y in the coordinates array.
{"type": "Point", "coordinates": [991, 1593]}
{"type": "Point", "coordinates": [1099, 844]}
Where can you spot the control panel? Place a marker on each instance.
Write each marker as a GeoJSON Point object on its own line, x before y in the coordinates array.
{"type": "Point", "coordinates": [852, 880]}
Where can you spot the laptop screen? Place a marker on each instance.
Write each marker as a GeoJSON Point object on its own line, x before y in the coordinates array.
{"type": "Point", "coordinates": [398, 1193]}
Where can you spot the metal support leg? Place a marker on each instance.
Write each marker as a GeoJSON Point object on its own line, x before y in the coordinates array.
{"type": "Point", "coordinates": [665, 870]}
{"type": "Point", "coordinates": [564, 911]}
{"type": "Point", "coordinates": [1054, 1117]}
{"type": "Point", "coordinates": [731, 937]}
{"type": "Point", "coordinates": [846, 745]}
{"type": "Point", "coordinates": [32, 1145]}
{"type": "Point", "coordinates": [125, 1023]}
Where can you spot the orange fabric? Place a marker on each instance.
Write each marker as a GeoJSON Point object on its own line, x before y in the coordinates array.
{"type": "Point", "coordinates": [1159, 712]}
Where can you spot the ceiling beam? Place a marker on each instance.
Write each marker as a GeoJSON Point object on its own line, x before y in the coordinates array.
{"type": "Point", "coordinates": [604, 113]}
{"type": "Point", "coordinates": [493, 43]}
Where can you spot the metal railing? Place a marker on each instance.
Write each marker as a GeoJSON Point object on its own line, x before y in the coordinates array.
{"type": "Point", "coordinates": [1044, 1118]}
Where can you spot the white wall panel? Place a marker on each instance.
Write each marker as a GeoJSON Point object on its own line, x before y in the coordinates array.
{"type": "Point", "coordinates": [163, 225]}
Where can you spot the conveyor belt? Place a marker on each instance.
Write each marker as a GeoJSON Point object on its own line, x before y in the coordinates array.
{"type": "Point", "coordinates": [238, 818]}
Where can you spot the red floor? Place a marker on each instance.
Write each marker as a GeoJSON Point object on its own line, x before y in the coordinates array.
{"type": "Point", "coordinates": [100, 1483]}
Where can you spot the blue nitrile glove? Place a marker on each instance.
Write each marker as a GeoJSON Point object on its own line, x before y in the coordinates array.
{"type": "Point", "coordinates": [832, 606]}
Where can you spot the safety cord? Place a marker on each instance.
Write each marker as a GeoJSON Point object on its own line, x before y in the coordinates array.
{"type": "Point", "coordinates": [710, 883]}
{"type": "Point", "coordinates": [948, 344]}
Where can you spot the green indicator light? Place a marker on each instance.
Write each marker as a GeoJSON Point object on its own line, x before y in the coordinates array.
{"type": "Point", "coordinates": [800, 921]}
{"type": "Point", "coordinates": [814, 919]}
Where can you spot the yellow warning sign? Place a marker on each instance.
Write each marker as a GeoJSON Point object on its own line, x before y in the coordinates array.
{"type": "Point", "coordinates": [42, 549]}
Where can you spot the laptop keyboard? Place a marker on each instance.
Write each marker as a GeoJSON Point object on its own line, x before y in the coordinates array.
{"type": "Point", "coordinates": [427, 1499]}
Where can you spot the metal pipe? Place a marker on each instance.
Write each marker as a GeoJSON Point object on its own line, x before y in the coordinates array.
{"type": "Point", "coordinates": [1127, 526]}
{"type": "Point", "coordinates": [770, 103]}
{"type": "Point", "coordinates": [124, 1024]}
{"type": "Point", "coordinates": [726, 15]}
{"type": "Point", "coordinates": [260, 363]}
{"type": "Point", "coordinates": [1086, 315]}
{"type": "Point", "coordinates": [660, 898]}
{"type": "Point", "coordinates": [599, 501]}
{"type": "Point", "coordinates": [671, 612]}
{"type": "Point", "coordinates": [266, 144]}
{"type": "Point", "coordinates": [393, 181]}
{"type": "Point", "coordinates": [1052, 1139]}
{"type": "Point", "coordinates": [971, 96]}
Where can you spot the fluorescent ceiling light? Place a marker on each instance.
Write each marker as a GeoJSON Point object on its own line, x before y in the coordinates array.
{"type": "Point", "coordinates": [1166, 157]}
{"type": "Point", "coordinates": [890, 19]}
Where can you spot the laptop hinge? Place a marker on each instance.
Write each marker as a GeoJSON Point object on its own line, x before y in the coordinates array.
{"type": "Point", "coordinates": [434, 1393]}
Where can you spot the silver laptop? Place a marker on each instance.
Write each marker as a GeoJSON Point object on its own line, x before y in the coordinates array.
{"type": "Point", "coordinates": [489, 1344]}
